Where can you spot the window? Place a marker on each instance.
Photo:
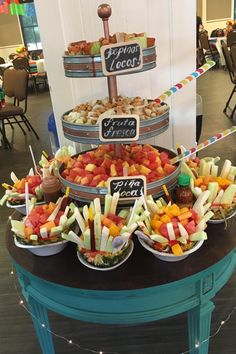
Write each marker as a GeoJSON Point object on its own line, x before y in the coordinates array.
{"type": "Point", "coordinates": [30, 29]}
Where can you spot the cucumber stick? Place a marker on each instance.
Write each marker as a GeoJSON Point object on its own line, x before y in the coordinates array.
{"type": "Point", "coordinates": [198, 236]}
{"type": "Point", "coordinates": [114, 202]}
{"type": "Point", "coordinates": [213, 188]}
{"type": "Point", "coordinates": [87, 240]}
{"type": "Point", "coordinates": [186, 169]}
{"type": "Point", "coordinates": [229, 194]}
{"type": "Point", "coordinates": [225, 169]}
{"type": "Point", "coordinates": [97, 230]}
{"type": "Point", "coordinates": [107, 207]}
{"type": "Point", "coordinates": [104, 238]}
{"type": "Point", "coordinates": [79, 219]}
{"type": "Point", "coordinates": [109, 246]}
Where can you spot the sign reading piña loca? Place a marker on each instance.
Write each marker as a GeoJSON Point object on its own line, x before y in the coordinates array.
{"type": "Point", "coordinates": [117, 128]}
{"type": "Point", "coordinates": [121, 58]}
{"type": "Point", "coordinates": [128, 187]}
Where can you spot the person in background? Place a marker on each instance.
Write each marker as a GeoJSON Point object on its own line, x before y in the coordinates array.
{"type": "Point", "coordinates": [199, 27]}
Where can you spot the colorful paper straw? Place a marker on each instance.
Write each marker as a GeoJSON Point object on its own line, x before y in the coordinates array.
{"type": "Point", "coordinates": [203, 145]}
{"type": "Point", "coordinates": [185, 81]}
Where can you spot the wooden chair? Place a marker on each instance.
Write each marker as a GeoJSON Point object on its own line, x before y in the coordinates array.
{"type": "Point", "coordinates": [232, 75]}
{"type": "Point", "coordinates": [36, 78]}
{"type": "Point", "coordinates": [15, 84]}
{"type": "Point", "coordinates": [208, 50]}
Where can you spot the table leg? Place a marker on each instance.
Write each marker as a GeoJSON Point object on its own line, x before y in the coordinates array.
{"type": "Point", "coordinates": [199, 324]}
{"type": "Point", "coordinates": [39, 316]}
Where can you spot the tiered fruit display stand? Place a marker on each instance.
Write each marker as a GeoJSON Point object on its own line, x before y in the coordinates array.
{"type": "Point", "coordinates": [87, 66]}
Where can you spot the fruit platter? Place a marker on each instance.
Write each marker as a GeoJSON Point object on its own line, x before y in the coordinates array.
{"type": "Point", "coordinates": [170, 232]}
{"type": "Point", "coordinates": [105, 240]}
{"type": "Point", "coordinates": [81, 123]}
{"type": "Point", "coordinates": [14, 196]}
{"type": "Point", "coordinates": [206, 175]}
{"type": "Point", "coordinates": [86, 174]}
{"type": "Point", "coordinates": [83, 59]}
{"type": "Point", "coordinates": [41, 230]}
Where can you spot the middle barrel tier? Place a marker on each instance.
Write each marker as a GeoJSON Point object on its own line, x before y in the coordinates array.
{"type": "Point", "coordinates": [81, 124]}
{"type": "Point", "coordinates": [86, 174]}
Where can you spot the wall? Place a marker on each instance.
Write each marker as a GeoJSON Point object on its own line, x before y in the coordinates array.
{"type": "Point", "coordinates": [77, 19]}
{"type": "Point", "coordinates": [217, 23]}
{"type": "Point", "coordinates": [10, 35]}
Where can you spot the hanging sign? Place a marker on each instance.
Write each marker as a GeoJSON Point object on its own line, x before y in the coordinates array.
{"type": "Point", "coordinates": [119, 128]}
{"type": "Point", "coordinates": [121, 58]}
{"type": "Point", "coordinates": [128, 187]}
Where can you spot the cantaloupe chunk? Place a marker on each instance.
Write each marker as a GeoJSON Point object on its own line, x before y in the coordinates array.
{"type": "Point", "coordinates": [48, 225]}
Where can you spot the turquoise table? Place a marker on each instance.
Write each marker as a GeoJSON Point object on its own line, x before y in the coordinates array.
{"type": "Point", "coordinates": [143, 289]}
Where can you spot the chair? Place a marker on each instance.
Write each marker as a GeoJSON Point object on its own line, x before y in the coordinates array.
{"type": "Point", "coordinates": [231, 38]}
{"type": "Point", "coordinates": [15, 83]}
{"type": "Point", "coordinates": [232, 74]}
{"type": "Point", "coordinates": [35, 77]}
{"type": "Point", "coordinates": [208, 50]}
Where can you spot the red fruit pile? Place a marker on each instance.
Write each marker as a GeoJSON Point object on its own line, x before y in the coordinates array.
{"type": "Point", "coordinates": [93, 168]}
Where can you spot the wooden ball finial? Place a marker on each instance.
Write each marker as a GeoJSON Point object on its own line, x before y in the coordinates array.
{"type": "Point", "coordinates": [104, 11]}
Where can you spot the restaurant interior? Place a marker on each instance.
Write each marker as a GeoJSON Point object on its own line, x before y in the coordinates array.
{"type": "Point", "coordinates": [34, 40]}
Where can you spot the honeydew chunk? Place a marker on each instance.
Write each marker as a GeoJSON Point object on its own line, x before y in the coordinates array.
{"type": "Point", "coordinates": [198, 191]}
{"type": "Point", "coordinates": [152, 206]}
{"type": "Point", "coordinates": [232, 171]}
{"type": "Point", "coordinates": [107, 207]}
{"type": "Point", "coordinates": [228, 195]}
{"type": "Point", "coordinates": [87, 239]}
{"type": "Point", "coordinates": [114, 202]}
{"type": "Point", "coordinates": [14, 178]}
{"type": "Point", "coordinates": [201, 225]}
{"type": "Point", "coordinates": [55, 211]}
{"type": "Point", "coordinates": [218, 198]}
{"type": "Point", "coordinates": [214, 170]}
{"type": "Point", "coordinates": [34, 237]}
{"type": "Point", "coordinates": [109, 246]}
{"type": "Point", "coordinates": [63, 220]}
{"type": "Point", "coordinates": [170, 231]}
{"type": "Point", "coordinates": [55, 230]}
{"type": "Point", "coordinates": [32, 203]}
{"type": "Point", "coordinates": [201, 201]}
{"type": "Point", "coordinates": [43, 232]}
{"type": "Point", "coordinates": [72, 207]}
{"type": "Point", "coordinates": [163, 202]}
{"type": "Point", "coordinates": [132, 228]}
{"type": "Point", "coordinates": [143, 227]}
{"type": "Point", "coordinates": [123, 213]}
{"type": "Point", "coordinates": [230, 178]}
{"type": "Point", "coordinates": [202, 168]}
{"type": "Point", "coordinates": [97, 205]}
{"type": "Point", "coordinates": [104, 238]}
{"type": "Point", "coordinates": [183, 231]}
{"type": "Point", "coordinates": [97, 230]}
{"type": "Point", "coordinates": [208, 168]}
{"type": "Point", "coordinates": [159, 204]}
{"type": "Point", "coordinates": [159, 238]}
{"type": "Point", "coordinates": [43, 161]}
{"type": "Point", "coordinates": [4, 199]}
{"type": "Point", "coordinates": [182, 240]}
{"type": "Point", "coordinates": [213, 188]}
{"type": "Point", "coordinates": [79, 219]}
{"type": "Point", "coordinates": [208, 215]}
{"type": "Point", "coordinates": [39, 192]}
{"type": "Point", "coordinates": [194, 189]}
{"type": "Point", "coordinates": [18, 227]}
{"type": "Point", "coordinates": [70, 220]}
{"type": "Point", "coordinates": [187, 170]}
{"type": "Point", "coordinates": [124, 229]}
{"type": "Point", "coordinates": [225, 169]}
{"type": "Point", "coordinates": [206, 207]}
{"type": "Point", "coordinates": [71, 236]}
{"type": "Point", "coordinates": [86, 213]}
{"type": "Point", "coordinates": [198, 236]}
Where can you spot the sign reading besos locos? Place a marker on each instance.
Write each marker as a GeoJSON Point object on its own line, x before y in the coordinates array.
{"type": "Point", "coordinates": [128, 187]}
{"type": "Point", "coordinates": [117, 128]}
{"type": "Point", "coordinates": [121, 58]}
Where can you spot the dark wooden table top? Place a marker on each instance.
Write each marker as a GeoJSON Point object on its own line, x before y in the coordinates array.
{"type": "Point", "coordinates": [141, 270]}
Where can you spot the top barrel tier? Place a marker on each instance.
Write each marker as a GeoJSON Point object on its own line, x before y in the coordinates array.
{"type": "Point", "coordinates": [91, 65]}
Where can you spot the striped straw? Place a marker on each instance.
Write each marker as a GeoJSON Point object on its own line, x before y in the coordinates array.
{"type": "Point", "coordinates": [203, 145]}
{"type": "Point", "coordinates": [185, 81]}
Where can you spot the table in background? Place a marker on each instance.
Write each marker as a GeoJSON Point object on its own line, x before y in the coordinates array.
{"type": "Point", "coordinates": [143, 289]}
